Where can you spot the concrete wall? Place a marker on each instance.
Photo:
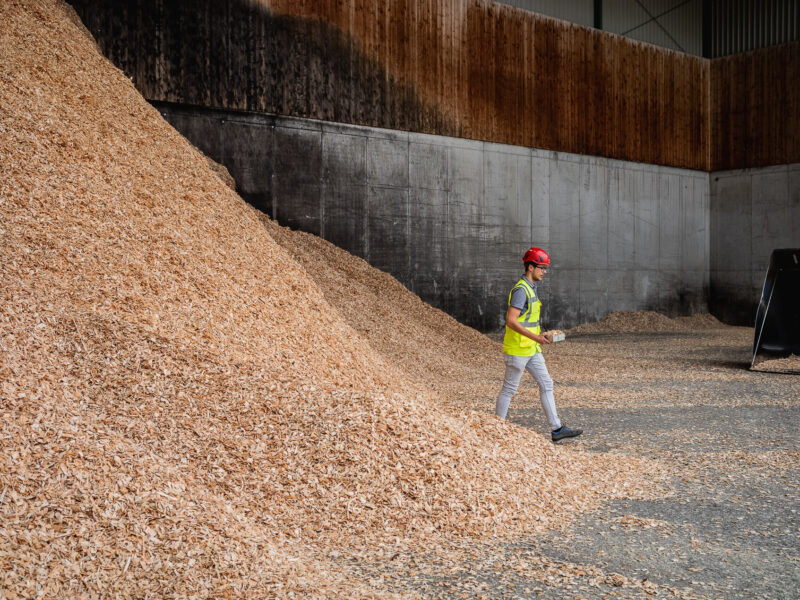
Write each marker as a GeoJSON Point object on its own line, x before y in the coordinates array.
{"type": "Point", "coordinates": [753, 211]}
{"type": "Point", "coordinates": [450, 218]}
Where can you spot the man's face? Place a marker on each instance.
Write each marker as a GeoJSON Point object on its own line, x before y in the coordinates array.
{"type": "Point", "coordinates": [538, 272]}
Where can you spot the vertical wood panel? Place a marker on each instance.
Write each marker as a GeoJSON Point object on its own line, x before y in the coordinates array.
{"type": "Point", "coordinates": [755, 100]}
{"type": "Point", "coordinates": [547, 65]}
{"type": "Point", "coordinates": [566, 83]}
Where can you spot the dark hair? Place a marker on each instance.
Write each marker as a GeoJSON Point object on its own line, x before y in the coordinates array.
{"type": "Point", "coordinates": [529, 263]}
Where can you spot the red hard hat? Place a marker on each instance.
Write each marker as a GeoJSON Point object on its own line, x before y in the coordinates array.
{"type": "Point", "coordinates": [537, 256]}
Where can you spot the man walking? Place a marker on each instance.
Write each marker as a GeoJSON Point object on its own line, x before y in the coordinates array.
{"type": "Point", "coordinates": [522, 344]}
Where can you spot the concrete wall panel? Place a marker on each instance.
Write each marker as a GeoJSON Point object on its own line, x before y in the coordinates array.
{"type": "Point", "coordinates": [732, 296]}
{"type": "Point", "coordinates": [565, 223]}
{"type": "Point", "coordinates": [244, 142]}
{"type": "Point", "coordinates": [593, 234]}
{"type": "Point", "coordinates": [255, 186]}
{"type": "Point", "coordinates": [562, 304]}
{"type": "Point", "coordinates": [427, 166]}
{"type": "Point", "coordinates": [524, 182]}
{"type": "Point", "coordinates": [345, 217]}
{"type": "Point", "coordinates": [593, 294]}
{"type": "Point", "coordinates": [387, 160]}
{"type": "Point", "coordinates": [752, 212]}
{"type": "Point", "coordinates": [468, 296]}
{"type": "Point", "coordinates": [450, 218]}
{"type": "Point", "coordinates": [500, 184]}
{"type": "Point", "coordinates": [670, 221]}
{"type": "Point", "coordinates": [504, 244]}
{"type": "Point", "coordinates": [540, 201]}
{"type": "Point", "coordinates": [428, 232]}
{"type": "Point", "coordinates": [691, 290]}
{"type": "Point", "coordinates": [622, 291]}
{"type": "Point", "coordinates": [670, 282]}
{"type": "Point", "coordinates": [757, 279]}
{"type": "Point", "coordinates": [344, 158]}
{"type": "Point", "coordinates": [465, 198]}
{"type": "Point", "coordinates": [731, 209]}
{"type": "Point", "coordinates": [646, 220]}
{"type": "Point", "coordinates": [621, 218]}
{"type": "Point", "coordinates": [645, 288]}
{"type": "Point", "coordinates": [298, 205]}
{"type": "Point", "coordinates": [696, 223]}
{"type": "Point", "coordinates": [694, 233]}
{"type": "Point", "coordinates": [297, 154]}
{"type": "Point", "coordinates": [794, 196]}
{"type": "Point", "coordinates": [771, 217]}
{"type": "Point", "coordinates": [388, 230]}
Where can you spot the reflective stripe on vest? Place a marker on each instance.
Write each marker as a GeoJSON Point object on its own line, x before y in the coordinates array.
{"type": "Point", "coordinates": [532, 299]}
{"type": "Point", "coordinates": [515, 343]}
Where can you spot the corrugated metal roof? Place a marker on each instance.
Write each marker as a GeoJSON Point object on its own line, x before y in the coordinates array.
{"type": "Point", "coordinates": [736, 25]}
{"type": "Point", "coordinates": [675, 24]}
{"type": "Point", "coordinates": [576, 11]}
{"type": "Point", "coordinates": [744, 25]}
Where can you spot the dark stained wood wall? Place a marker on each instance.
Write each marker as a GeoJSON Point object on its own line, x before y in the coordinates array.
{"type": "Point", "coordinates": [755, 108]}
{"type": "Point", "coordinates": [467, 68]}
{"type": "Point", "coordinates": [501, 74]}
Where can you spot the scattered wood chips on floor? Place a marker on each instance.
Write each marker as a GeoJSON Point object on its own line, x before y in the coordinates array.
{"type": "Point", "coordinates": [790, 364]}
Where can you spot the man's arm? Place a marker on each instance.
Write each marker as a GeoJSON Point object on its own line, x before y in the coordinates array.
{"type": "Point", "coordinates": [511, 322]}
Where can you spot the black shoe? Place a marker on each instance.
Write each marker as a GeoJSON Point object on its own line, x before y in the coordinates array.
{"type": "Point", "coordinates": [564, 432]}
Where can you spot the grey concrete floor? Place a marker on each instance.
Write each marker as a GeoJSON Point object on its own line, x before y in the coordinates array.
{"type": "Point", "coordinates": [727, 527]}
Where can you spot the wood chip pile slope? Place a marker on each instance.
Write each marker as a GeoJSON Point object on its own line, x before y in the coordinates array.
{"type": "Point", "coordinates": [181, 411]}
{"type": "Point", "coordinates": [790, 364]}
{"type": "Point", "coordinates": [431, 346]}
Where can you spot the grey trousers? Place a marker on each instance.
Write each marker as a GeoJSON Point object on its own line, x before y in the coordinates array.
{"type": "Point", "coordinates": [515, 365]}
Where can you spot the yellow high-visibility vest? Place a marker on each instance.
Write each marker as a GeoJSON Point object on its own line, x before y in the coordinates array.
{"type": "Point", "coordinates": [515, 343]}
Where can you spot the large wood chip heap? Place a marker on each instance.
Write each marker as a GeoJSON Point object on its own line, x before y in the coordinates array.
{"type": "Point", "coordinates": [184, 412]}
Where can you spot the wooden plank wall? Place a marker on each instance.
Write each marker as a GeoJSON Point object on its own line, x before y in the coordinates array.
{"type": "Point", "coordinates": [467, 68]}
{"type": "Point", "coordinates": [493, 72]}
{"type": "Point", "coordinates": [755, 108]}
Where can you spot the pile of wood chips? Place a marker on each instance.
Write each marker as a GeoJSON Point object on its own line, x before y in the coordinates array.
{"type": "Point", "coordinates": [183, 410]}
{"type": "Point", "coordinates": [620, 321]}
{"type": "Point", "coordinates": [790, 364]}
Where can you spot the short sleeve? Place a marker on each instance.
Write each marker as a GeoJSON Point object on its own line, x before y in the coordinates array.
{"type": "Point", "coordinates": [519, 299]}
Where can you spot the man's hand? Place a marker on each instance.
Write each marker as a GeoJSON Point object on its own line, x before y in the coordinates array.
{"type": "Point", "coordinates": [511, 322]}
